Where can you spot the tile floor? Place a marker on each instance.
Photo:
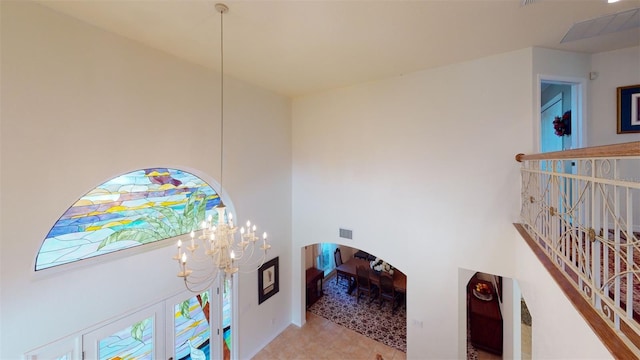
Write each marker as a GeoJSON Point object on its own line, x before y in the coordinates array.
{"type": "Point", "coordinates": [483, 355]}
{"type": "Point", "coordinates": [526, 342]}
{"type": "Point", "coordinates": [525, 346]}
{"type": "Point", "coordinates": [311, 342]}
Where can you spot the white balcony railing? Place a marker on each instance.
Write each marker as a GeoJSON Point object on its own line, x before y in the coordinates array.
{"type": "Point", "coordinates": [582, 207]}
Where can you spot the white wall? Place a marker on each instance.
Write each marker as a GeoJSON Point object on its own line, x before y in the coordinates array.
{"type": "Point", "coordinates": [422, 168]}
{"type": "Point", "coordinates": [80, 106]}
{"type": "Point", "coordinates": [615, 69]}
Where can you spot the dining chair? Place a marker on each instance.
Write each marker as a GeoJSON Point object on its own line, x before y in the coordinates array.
{"type": "Point", "coordinates": [337, 257]}
{"type": "Point", "coordinates": [364, 284]}
{"type": "Point", "coordinates": [388, 292]}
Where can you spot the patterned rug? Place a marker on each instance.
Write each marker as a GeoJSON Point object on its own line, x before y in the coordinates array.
{"type": "Point", "coordinates": [472, 353]}
{"type": "Point", "coordinates": [367, 319]}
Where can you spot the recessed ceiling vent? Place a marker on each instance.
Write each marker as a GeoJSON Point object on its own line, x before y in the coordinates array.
{"type": "Point", "coordinates": [347, 234]}
{"type": "Point", "coordinates": [624, 20]}
{"type": "Point", "coordinates": [527, 2]}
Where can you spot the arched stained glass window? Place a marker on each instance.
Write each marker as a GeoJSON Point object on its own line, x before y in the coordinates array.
{"type": "Point", "coordinates": [130, 210]}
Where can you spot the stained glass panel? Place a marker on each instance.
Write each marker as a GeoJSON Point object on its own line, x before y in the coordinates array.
{"type": "Point", "coordinates": [130, 210]}
{"type": "Point", "coordinates": [192, 334]}
{"type": "Point", "coordinates": [133, 342]}
{"type": "Point", "coordinates": [226, 314]}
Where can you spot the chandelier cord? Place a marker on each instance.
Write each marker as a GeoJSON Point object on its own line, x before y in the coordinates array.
{"type": "Point", "coordinates": [221, 101]}
{"type": "Point", "coordinates": [223, 252]}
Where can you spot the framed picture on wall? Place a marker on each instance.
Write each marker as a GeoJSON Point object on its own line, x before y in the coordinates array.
{"type": "Point", "coordinates": [268, 280]}
{"type": "Point", "coordinates": [628, 109]}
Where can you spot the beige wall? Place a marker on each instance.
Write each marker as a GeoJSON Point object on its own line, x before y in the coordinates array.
{"type": "Point", "coordinates": [615, 69]}
{"type": "Point", "coordinates": [421, 168]}
{"type": "Point", "coordinates": [80, 106]}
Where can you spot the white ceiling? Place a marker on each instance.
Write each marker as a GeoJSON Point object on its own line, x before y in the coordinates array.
{"type": "Point", "coordinates": [300, 47]}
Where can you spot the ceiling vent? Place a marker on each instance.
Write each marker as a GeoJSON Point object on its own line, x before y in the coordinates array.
{"type": "Point", "coordinates": [624, 20]}
{"type": "Point", "coordinates": [346, 234]}
{"type": "Point", "coordinates": [527, 2]}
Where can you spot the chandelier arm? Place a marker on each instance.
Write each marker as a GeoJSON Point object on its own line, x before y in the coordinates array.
{"type": "Point", "coordinates": [244, 251]}
{"type": "Point", "coordinates": [202, 289]}
{"type": "Point", "coordinates": [256, 268]}
{"type": "Point", "coordinates": [257, 260]}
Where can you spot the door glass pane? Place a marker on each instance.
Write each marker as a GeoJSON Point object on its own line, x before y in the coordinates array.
{"type": "Point", "coordinates": [63, 349]}
{"type": "Point", "coordinates": [133, 342]}
{"type": "Point", "coordinates": [192, 329]}
{"type": "Point", "coordinates": [226, 317]}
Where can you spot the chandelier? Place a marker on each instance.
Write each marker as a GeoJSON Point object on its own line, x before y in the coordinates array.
{"type": "Point", "coordinates": [218, 248]}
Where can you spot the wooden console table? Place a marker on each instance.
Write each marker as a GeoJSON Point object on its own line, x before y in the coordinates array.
{"type": "Point", "coordinates": [314, 279]}
{"type": "Point", "coordinates": [485, 320]}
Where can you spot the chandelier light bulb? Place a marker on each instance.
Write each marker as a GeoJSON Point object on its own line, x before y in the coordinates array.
{"type": "Point", "coordinates": [177, 257]}
{"type": "Point", "coordinates": [185, 272]}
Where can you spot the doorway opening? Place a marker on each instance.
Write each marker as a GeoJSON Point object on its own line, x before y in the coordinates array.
{"type": "Point", "coordinates": [561, 114]}
{"type": "Point", "coordinates": [525, 329]}
{"type": "Point", "coordinates": [484, 303]}
{"type": "Point", "coordinates": [335, 290]}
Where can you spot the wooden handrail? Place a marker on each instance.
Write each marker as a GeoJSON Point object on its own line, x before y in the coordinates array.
{"type": "Point", "coordinates": [615, 150]}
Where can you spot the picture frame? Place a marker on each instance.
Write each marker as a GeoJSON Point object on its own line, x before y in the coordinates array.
{"type": "Point", "coordinates": [268, 280]}
{"type": "Point", "coordinates": [628, 100]}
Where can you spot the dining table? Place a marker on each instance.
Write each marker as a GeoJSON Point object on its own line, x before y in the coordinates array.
{"type": "Point", "coordinates": [348, 268]}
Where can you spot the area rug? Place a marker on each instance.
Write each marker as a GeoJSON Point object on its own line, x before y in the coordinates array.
{"type": "Point", "coordinates": [364, 317]}
{"type": "Point", "coordinates": [472, 353]}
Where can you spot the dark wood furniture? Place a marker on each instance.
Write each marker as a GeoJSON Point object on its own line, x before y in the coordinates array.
{"type": "Point", "coordinates": [364, 284]}
{"type": "Point", "coordinates": [349, 268]}
{"type": "Point", "coordinates": [485, 319]}
{"type": "Point", "coordinates": [314, 279]}
{"type": "Point", "coordinates": [337, 257]}
{"type": "Point", "coordinates": [388, 292]}
{"type": "Point", "coordinates": [364, 255]}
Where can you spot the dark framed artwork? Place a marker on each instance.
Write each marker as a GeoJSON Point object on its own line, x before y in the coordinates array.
{"type": "Point", "coordinates": [628, 109]}
{"type": "Point", "coordinates": [268, 280]}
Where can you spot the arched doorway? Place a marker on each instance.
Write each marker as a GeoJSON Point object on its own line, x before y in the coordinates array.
{"type": "Point", "coordinates": [340, 302]}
